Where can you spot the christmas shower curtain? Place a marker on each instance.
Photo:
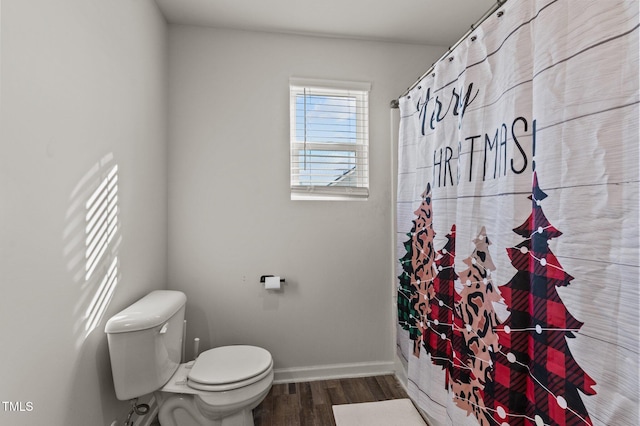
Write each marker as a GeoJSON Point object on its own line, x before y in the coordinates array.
{"type": "Point", "coordinates": [517, 221]}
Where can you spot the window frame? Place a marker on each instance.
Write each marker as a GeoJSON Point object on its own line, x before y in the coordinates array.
{"type": "Point", "coordinates": [360, 92]}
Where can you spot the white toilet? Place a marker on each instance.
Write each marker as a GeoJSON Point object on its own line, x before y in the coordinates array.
{"type": "Point", "coordinates": [220, 388]}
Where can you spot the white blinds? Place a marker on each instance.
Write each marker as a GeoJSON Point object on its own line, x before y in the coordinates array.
{"type": "Point", "coordinates": [329, 139]}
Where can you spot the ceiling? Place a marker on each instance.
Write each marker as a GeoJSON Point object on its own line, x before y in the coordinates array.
{"type": "Point", "coordinates": [433, 22]}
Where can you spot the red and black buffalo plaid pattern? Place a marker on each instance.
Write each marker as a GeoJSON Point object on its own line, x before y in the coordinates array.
{"type": "Point", "coordinates": [440, 335]}
{"type": "Point", "coordinates": [536, 377]}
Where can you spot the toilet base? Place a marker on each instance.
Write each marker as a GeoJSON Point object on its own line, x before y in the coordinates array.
{"type": "Point", "coordinates": [180, 405]}
{"type": "Point", "coordinates": [242, 418]}
{"type": "Point", "coordinates": [181, 410]}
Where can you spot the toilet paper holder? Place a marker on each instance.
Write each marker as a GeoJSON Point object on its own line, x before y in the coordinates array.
{"type": "Point", "coordinates": [263, 278]}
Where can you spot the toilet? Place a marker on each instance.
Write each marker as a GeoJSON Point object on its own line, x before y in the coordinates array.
{"type": "Point", "coordinates": [220, 388]}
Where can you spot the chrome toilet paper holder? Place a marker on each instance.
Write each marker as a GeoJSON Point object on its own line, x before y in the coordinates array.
{"type": "Point", "coordinates": [263, 278]}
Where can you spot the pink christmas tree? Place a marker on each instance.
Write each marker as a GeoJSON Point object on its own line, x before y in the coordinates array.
{"type": "Point", "coordinates": [477, 325]}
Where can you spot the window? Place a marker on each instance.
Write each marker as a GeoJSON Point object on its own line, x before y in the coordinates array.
{"type": "Point", "coordinates": [329, 139]}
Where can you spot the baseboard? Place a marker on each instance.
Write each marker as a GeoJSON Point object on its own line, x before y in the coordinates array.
{"type": "Point", "coordinates": [334, 371]}
{"type": "Point", "coordinates": [401, 374]}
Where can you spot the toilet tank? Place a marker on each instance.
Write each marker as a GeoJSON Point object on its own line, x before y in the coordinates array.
{"type": "Point", "coordinates": [145, 343]}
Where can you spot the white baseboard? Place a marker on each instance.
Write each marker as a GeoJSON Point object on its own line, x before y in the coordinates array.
{"type": "Point", "coordinates": [401, 374]}
{"type": "Point", "coordinates": [334, 371]}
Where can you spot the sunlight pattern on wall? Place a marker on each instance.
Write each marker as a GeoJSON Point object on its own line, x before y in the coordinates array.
{"type": "Point", "coordinates": [101, 227]}
{"type": "Point", "coordinates": [91, 241]}
{"type": "Point", "coordinates": [102, 220]}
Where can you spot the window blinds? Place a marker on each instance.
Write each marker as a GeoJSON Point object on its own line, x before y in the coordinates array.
{"type": "Point", "coordinates": [329, 139]}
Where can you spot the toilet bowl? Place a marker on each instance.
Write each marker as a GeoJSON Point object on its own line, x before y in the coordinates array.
{"type": "Point", "coordinates": [220, 388]}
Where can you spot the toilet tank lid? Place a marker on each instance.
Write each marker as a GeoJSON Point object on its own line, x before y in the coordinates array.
{"type": "Point", "coordinates": [151, 311]}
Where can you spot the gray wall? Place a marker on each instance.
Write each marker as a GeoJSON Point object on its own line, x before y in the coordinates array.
{"type": "Point", "coordinates": [230, 216]}
{"type": "Point", "coordinates": [83, 89]}
{"type": "Point", "coordinates": [86, 86]}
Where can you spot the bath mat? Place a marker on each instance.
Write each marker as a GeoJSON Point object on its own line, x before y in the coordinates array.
{"type": "Point", "coordinates": [395, 412]}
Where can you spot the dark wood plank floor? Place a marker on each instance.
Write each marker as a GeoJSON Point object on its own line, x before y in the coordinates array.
{"type": "Point", "coordinates": [309, 403]}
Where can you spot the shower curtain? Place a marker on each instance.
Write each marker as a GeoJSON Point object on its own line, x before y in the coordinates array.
{"type": "Point", "coordinates": [517, 221]}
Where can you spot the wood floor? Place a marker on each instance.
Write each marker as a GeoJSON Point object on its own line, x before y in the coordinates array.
{"type": "Point", "coordinates": [309, 403]}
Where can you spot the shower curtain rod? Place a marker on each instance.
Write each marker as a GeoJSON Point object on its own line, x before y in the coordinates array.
{"type": "Point", "coordinates": [496, 6]}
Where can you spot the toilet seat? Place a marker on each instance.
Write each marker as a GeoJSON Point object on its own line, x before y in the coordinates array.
{"type": "Point", "coordinates": [229, 367]}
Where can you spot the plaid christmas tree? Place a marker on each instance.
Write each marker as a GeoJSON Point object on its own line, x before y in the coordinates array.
{"type": "Point", "coordinates": [537, 380]}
